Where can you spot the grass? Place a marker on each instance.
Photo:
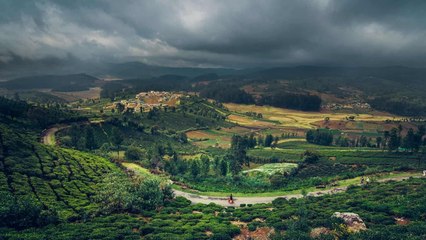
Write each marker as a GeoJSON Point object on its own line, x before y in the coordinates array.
{"type": "Point", "coordinates": [137, 169]}
{"type": "Point", "coordinates": [144, 173]}
{"type": "Point", "coordinates": [115, 155]}
{"type": "Point", "coordinates": [215, 137]}
{"type": "Point", "coordinates": [272, 168]}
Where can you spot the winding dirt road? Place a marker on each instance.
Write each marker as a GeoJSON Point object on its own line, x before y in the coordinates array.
{"type": "Point", "coordinates": [223, 201]}
{"type": "Point", "coordinates": [48, 135]}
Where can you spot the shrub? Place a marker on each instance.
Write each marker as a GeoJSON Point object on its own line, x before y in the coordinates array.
{"type": "Point", "coordinates": [178, 202]}
{"type": "Point", "coordinates": [279, 202]}
{"type": "Point", "coordinates": [311, 157]}
{"type": "Point", "coordinates": [134, 153]}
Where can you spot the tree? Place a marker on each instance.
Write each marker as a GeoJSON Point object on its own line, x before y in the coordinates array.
{"type": "Point", "coordinates": [268, 140]}
{"type": "Point", "coordinates": [238, 153]}
{"type": "Point", "coordinates": [195, 169]}
{"type": "Point", "coordinates": [120, 107]}
{"type": "Point", "coordinates": [379, 142]}
{"type": "Point", "coordinates": [117, 138]}
{"type": "Point", "coordinates": [223, 167]}
{"type": "Point", "coordinates": [252, 141]}
{"type": "Point", "coordinates": [118, 193]}
{"type": "Point", "coordinates": [260, 141]}
{"type": "Point", "coordinates": [114, 193]}
{"type": "Point", "coordinates": [182, 137]}
{"type": "Point", "coordinates": [320, 137]}
{"type": "Point", "coordinates": [205, 165]}
{"type": "Point", "coordinates": [147, 194]}
{"type": "Point", "coordinates": [152, 113]}
{"type": "Point", "coordinates": [418, 138]}
{"type": "Point", "coordinates": [234, 165]}
{"type": "Point", "coordinates": [216, 164]}
{"type": "Point", "coordinates": [156, 161]}
{"type": "Point", "coordinates": [409, 141]}
{"type": "Point", "coordinates": [75, 134]}
{"type": "Point", "coordinates": [394, 140]}
{"type": "Point", "coordinates": [134, 153]}
{"type": "Point", "coordinates": [310, 157]}
{"type": "Point", "coordinates": [386, 136]}
{"type": "Point", "coordinates": [363, 141]}
{"type": "Point", "coordinates": [90, 138]}
{"type": "Point", "coordinates": [154, 130]}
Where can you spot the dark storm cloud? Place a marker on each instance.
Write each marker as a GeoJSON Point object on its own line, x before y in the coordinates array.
{"type": "Point", "coordinates": [218, 33]}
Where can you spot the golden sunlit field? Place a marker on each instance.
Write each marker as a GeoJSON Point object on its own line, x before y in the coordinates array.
{"type": "Point", "coordinates": [278, 121]}
{"type": "Point", "coordinates": [298, 119]}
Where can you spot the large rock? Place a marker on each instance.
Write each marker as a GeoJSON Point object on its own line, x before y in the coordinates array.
{"type": "Point", "coordinates": [352, 221]}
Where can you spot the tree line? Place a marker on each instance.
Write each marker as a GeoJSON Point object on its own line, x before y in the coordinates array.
{"type": "Point", "coordinates": [40, 115]}
{"type": "Point", "coordinates": [304, 102]}
{"type": "Point", "coordinates": [392, 140]}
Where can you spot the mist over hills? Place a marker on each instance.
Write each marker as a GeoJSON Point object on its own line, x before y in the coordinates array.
{"type": "Point", "coordinates": [397, 89]}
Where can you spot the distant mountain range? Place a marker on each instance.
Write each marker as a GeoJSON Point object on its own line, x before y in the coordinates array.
{"type": "Point", "coordinates": [398, 89]}
{"type": "Point", "coordinates": [64, 83]}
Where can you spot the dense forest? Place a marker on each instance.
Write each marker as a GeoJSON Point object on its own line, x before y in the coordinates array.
{"type": "Point", "coordinates": [226, 93]}
{"type": "Point", "coordinates": [292, 101]}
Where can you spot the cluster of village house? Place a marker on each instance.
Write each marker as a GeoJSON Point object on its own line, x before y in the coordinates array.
{"type": "Point", "coordinates": [146, 101]}
{"type": "Point", "coordinates": [353, 105]}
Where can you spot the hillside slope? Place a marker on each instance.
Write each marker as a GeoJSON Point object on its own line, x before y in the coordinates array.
{"type": "Point", "coordinates": [58, 179]}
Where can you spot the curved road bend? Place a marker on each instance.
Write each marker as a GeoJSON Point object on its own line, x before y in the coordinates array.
{"type": "Point", "coordinates": [223, 201]}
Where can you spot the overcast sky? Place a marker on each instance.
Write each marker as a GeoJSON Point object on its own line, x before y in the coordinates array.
{"type": "Point", "coordinates": [232, 33]}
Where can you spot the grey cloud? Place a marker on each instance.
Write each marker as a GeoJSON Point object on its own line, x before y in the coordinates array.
{"type": "Point", "coordinates": [218, 33]}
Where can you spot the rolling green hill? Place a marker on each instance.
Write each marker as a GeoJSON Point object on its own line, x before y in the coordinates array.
{"type": "Point", "coordinates": [58, 179]}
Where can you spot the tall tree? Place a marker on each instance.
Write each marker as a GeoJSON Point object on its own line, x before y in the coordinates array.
{"type": "Point", "coordinates": [117, 139]}
{"type": "Point", "coordinates": [379, 142]}
{"type": "Point", "coordinates": [234, 165]}
{"type": "Point", "coordinates": [409, 141]}
{"type": "Point", "coordinates": [238, 150]}
{"type": "Point", "coordinates": [268, 140]}
{"type": "Point", "coordinates": [90, 138]}
{"type": "Point", "coordinates": [205, 165]}
{"type": "Point", "coordinates": [252, 141]}
{"type": "Point", "coordinates": [195, 169]}
{"type": "Point", "coordinates": [120, 107]}
{"type": "Point", "coordinates": [394, 140]}
{"type": "Point", "coordinates": [223, 167]}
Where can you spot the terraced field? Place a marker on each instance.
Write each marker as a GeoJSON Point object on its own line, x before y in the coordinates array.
{"type": "Point", "coordinates": [299, 119]}
{"type": "Point", "coordinates": [60, 179]}
{"type": "Point", "coordinates": [278, 121]}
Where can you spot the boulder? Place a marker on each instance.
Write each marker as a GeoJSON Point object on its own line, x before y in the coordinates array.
{"type": "Point", "coordinates": [352, 221]}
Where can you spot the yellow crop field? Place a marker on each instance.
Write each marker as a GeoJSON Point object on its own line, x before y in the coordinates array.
{"type": "Point", "coordinates": [277, 121]}
{"type": "Point", "coordinates": [296, 119]}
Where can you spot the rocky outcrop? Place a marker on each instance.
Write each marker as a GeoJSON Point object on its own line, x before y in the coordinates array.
{"type": "Point", "coordinates": [352, 220]}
